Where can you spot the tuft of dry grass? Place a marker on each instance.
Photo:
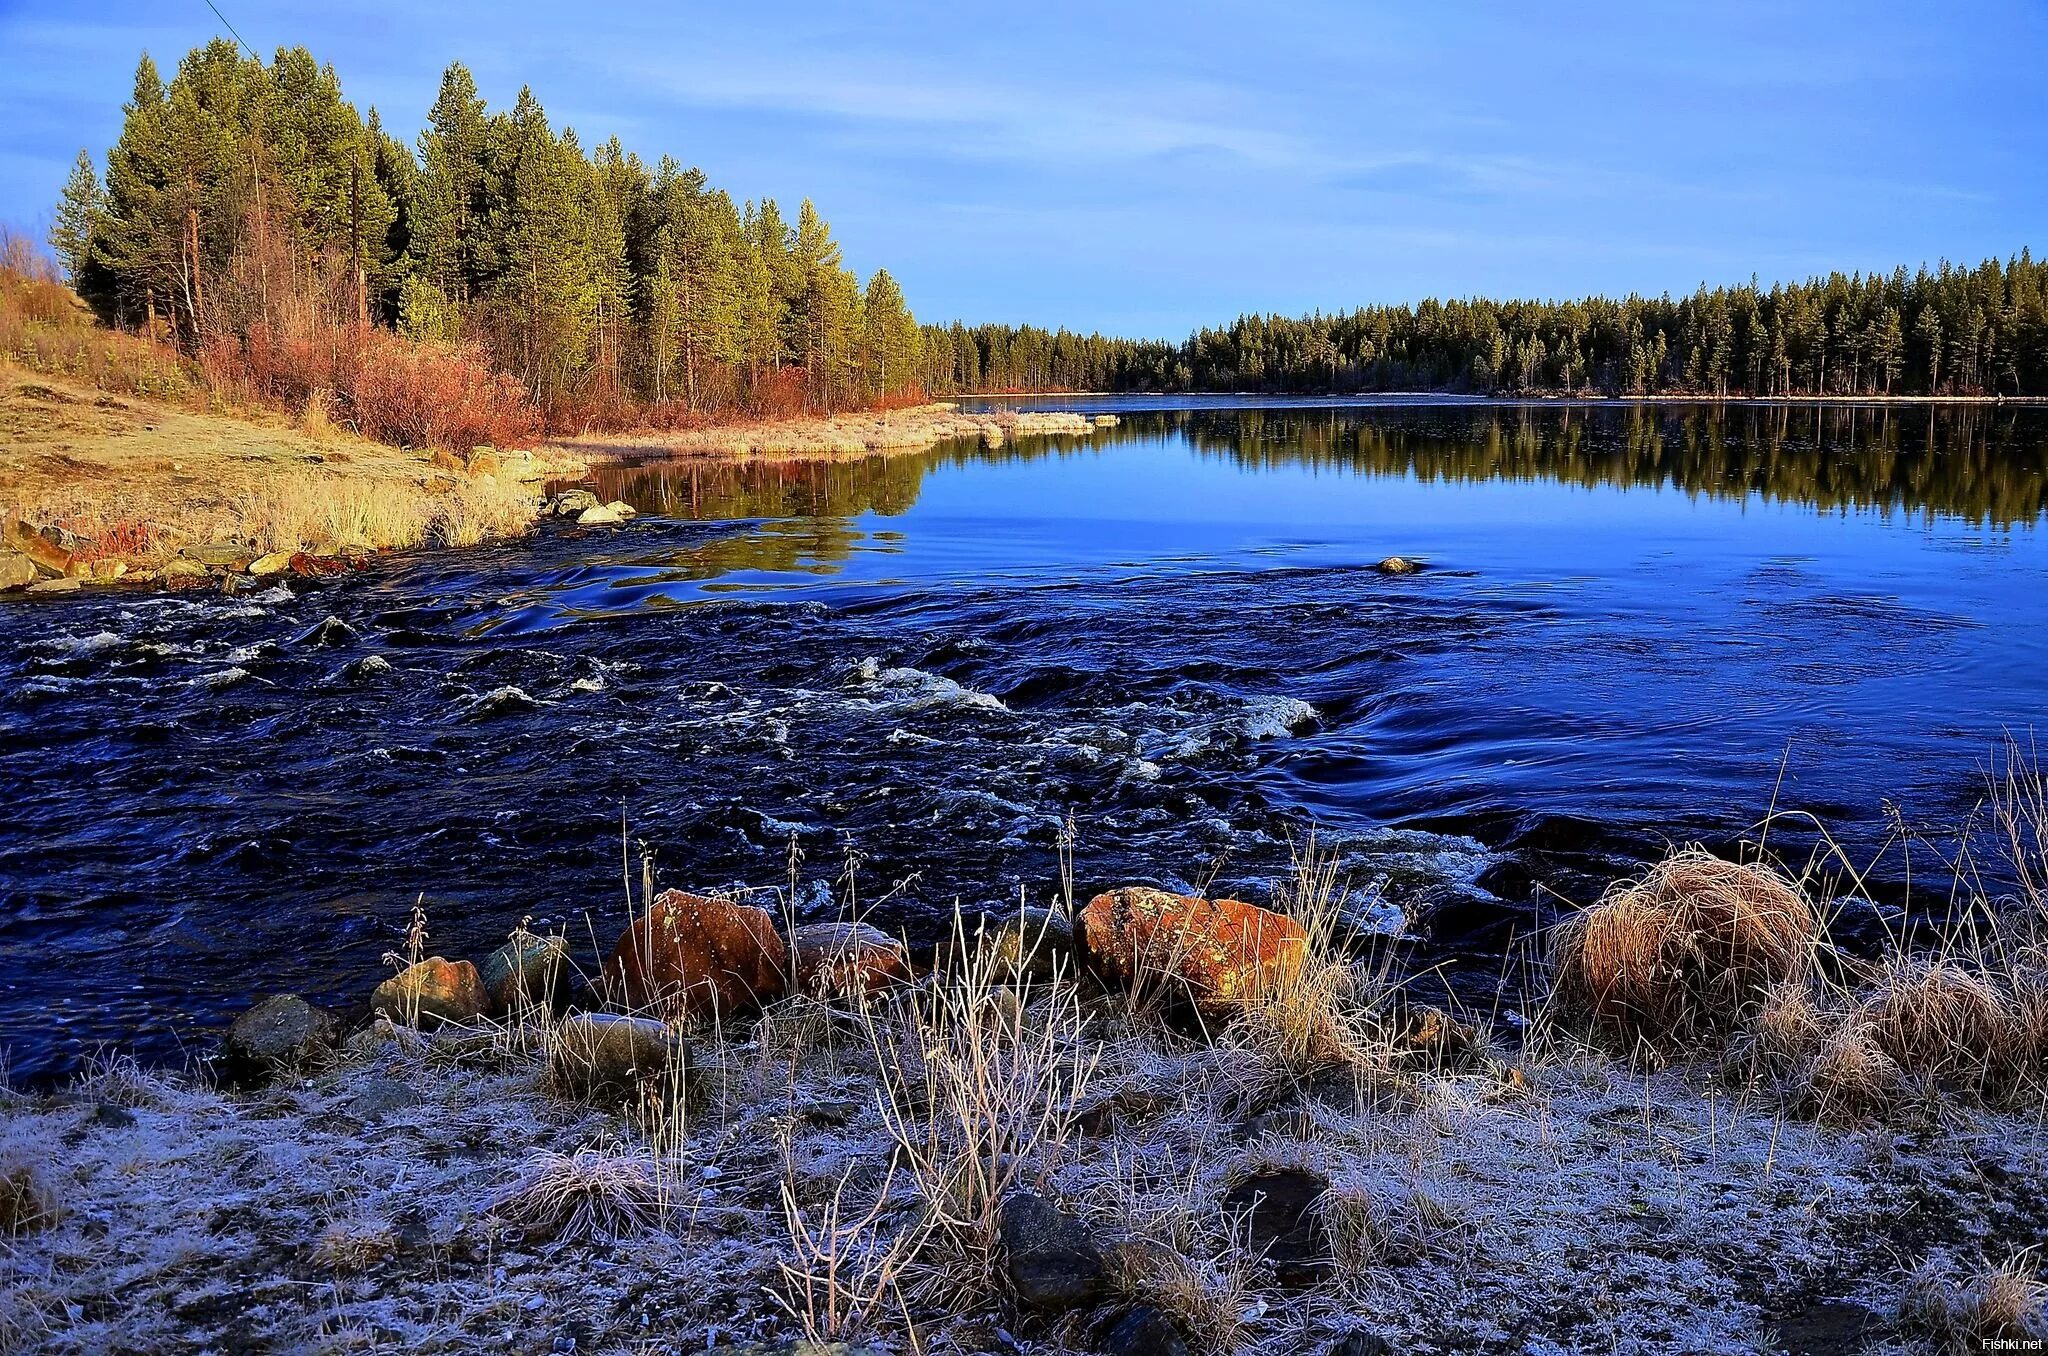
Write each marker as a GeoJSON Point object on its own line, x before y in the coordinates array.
{"type": "Point", "coordinates": [1969, 1311]}
{"type": "Point", "coordinates": [1945, 1025]}
{"type": "Point", "coordinates": [595, 1192]}
{"type": "Point", "coordinates": [1683, 952]}
{"type": "Point", "coordinates": [26, 1200]}
{"type": "Point", "coordinates": [1850, 1077]}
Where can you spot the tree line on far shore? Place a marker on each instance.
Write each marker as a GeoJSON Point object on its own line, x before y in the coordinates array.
{"type": "Point", "coordinates": [1947, 331]}
{"type": "Point", "coordinates": [250, 214]}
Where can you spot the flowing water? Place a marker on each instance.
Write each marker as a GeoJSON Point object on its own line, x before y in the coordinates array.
{"type": "Point", "coordinates": [1636, 626]}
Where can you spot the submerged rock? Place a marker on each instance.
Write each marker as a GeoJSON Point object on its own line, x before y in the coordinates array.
{"type": "Point", "coordinates": [329, 631]}
{"type": "Point", "coordinates": [690, 955]}
{"type": "Point", "coordinates": [432, 990]}
{"type": "Point", "coordinates": [527, 969]}
{"type": "Point", "coordinates": [601, 1052]}
{"type": "Point", "coordinates": [1217, 953]}
{"type": "Point", "coordinates": [281, 1034]}
{"type": "Point", "coordinates": [841, 960]}
{"type": "Point", "coordinates": [1052, 1260]}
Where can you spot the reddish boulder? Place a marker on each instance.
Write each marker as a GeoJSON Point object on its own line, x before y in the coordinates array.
{"type": "Point", "coordinates": [432, 990]}
{"type": "Point", "coordinates": [689, 955]}
{"type": "Point", "coordinates": [841, 960]}
{"type": "Point", "coordinates": [49, 556]}
{"type": "Point", "coordinates": [1215, 953]}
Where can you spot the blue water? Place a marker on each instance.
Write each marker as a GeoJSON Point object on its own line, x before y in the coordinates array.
{"type": "Point", "coordinates": [1634, 627]}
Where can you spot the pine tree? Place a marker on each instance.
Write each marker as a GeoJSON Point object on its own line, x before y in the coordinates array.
{"type": "Point", "coordinates": [77, 219]}
{"type": "Point", "coordinates": [889, 337]}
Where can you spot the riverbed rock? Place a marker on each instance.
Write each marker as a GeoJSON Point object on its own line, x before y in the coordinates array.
{"type": "Point", "coordinates": [1283, 1223]}
{"type": "Point", "coordinates": [1031, 943]}
{"type": "Point", "coordinates": [328, 631]}
{"type": "Point", "coordinates": [1397, 565]}
{"type": "Point", "coordinates": [844, 960]}
{"type": "Point", "coordinates": [432, 991]}
{"type": "Point", "coordinates": [691, 956]}
{"type": "Point", "coordinates": [599, 515]}
{"type": "Point", "coordinates": [569, 503]}
{"type": "Point", "coordinates": [270, 563]}
{"type": "Point", "coordinates": [1050, 1257]}
{"type": "Point", "coordinates": [1143, 1330]}
{"type": "Point", "coordinates": [70, 584]}
{"type": "Point", "coordinates": [600, 1053]}
{"type": "Point", "coordinates": [183, 572]}
{"type": "Point", "coordinates": [1215, 954]}
{"type": "Point", "coordinates": [17, 571]}
{"type": "Point", "coordinates": [525, 970]}
{"type": "Point", "coordinates": [280, 1034]}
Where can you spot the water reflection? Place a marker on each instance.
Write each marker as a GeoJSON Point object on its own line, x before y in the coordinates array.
{"type": "Point", "coordinates": [1983, 465]}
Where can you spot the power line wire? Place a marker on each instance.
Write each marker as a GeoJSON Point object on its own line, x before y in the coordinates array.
{"type": "Point", "coordinates": [230, 27]}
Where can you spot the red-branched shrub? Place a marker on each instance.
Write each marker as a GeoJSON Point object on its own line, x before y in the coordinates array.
{"type": "Point", "coordinates": [433, 395]}
{"type": "Point", "coordinates": [778, 394]}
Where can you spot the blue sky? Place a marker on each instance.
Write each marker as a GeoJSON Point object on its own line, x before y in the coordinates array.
{"type": "Point", "coordinates": [1145, 168]}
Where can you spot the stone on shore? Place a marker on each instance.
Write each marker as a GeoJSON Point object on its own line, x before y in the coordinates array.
{"type": "Point", "coordinates": [430, 991]}
{"type": "Point", "coordinates": [17, 571]}
{"type": "Point", "coordinates": [844, 960]}
{"type": "Point", "coordinates": [526, 970]}
{"type": "Point", "coordinates": [1216, 954]}
{"type": "Point", "coordinates": [1032, 943]}
{"type": "Point", "coordinates": [690, 955]}
{"type": "Point", "coordinates": [46, 554]}
{"type": "Point", "coordinates": [274, 562]}
{"type": "Point", "coordinates": [602, 1052]}
{"type": "Point", "coordinates": [281, 1034]}
{"type": "Point", "coordinates": [1052, 1260]}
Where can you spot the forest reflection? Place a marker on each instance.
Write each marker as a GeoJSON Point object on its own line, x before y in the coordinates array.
{"type": "Point", "coordinates": [1984, 465]}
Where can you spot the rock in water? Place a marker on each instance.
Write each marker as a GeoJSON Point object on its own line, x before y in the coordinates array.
{"type": "Point", "coordinates": [281, 1034]}
{"type": "Point", "coordinates": [600, 515]}
{"type": "Point", "coordinates": [276, 562]}
{"type": "Point", "coordinates": [1144, 1331]}
{"type": "Point", "coordinates": [602, 1052]}
{"type": "Point", "coordinates": [1397, 565]}
{"type": "Point", "coordinates": [623, 509]}
{"type": "Point", "coordinates": [432, 990]}
{"type": "Point", "coordinates": [527, 969]}
{"type": "Point", "coordinates": [690, 955]}
{"type": "Point", "coordinates": [569, 503]}
{"type": "Point", "coordinates": [1283, 1223]}
{"type": "Point", "coordinates": [1037, 943]}
{"type": "Point", "coordinates": [329, 631]}
{"type": "Point", "coordinates": [1217, 954]}
{"type": "Point", "coordinates": [1052, 1260]}
{"type": "Point", "coordinates": [842, 960]}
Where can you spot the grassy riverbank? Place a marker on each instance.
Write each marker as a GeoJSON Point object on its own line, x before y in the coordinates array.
{"type": "Point", "coordinates": [855, 434]}
{"type": "Point", "coordinates": [1754, 1143]}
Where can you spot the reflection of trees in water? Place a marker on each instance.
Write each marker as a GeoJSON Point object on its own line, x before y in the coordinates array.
{"type": "Point", "coordinates": [1984, 465]}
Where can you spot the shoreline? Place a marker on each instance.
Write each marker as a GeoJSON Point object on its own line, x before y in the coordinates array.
{"type": "Point", "coordinates": [819, 1135]}
{"type": "Point", "coordinates": [1523, 398]}
{"type": "Point", "coordinates": [855, 433]}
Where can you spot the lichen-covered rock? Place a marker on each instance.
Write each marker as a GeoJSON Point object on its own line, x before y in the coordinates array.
{"type": "Point", "coordinates": [843, 960]}
{"type": "Point", "coordinates": [1031, 943]}
{"type": "Point", "coordinates": [433, 990]}
{"type": "Point", "coordinates": [525, 970]}
{"type": "Point", "coordinates": [1050, 1257]}
{"type": "Point", "coordinates": [602, 1052]}
{"type": "Point", "coordinates": [280, 1034]}
{"type": "Point", "coordinates": [691, 956]}
{"type": "Point", "coordinates": [1215, 954]}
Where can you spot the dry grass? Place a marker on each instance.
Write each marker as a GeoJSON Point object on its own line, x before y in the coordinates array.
{"type": "Point", "coordinates": [1947, 1026]}
{"type": "Point", "coordinates": [1968, 1311]}
{"type": "Point", "coordinates": [595, 1192]}
{"type": "Point", "coordinates": [1684, 952]}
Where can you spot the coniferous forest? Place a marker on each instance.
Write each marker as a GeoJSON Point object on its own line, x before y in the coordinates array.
{"type": "Point", "coordinates": [1949, 331]}
{"type": "Point", "coordinates": [251, 214]}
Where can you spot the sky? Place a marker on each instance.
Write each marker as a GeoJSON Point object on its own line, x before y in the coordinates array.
{"type": "Point", "coordinates": [1145, 168]}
